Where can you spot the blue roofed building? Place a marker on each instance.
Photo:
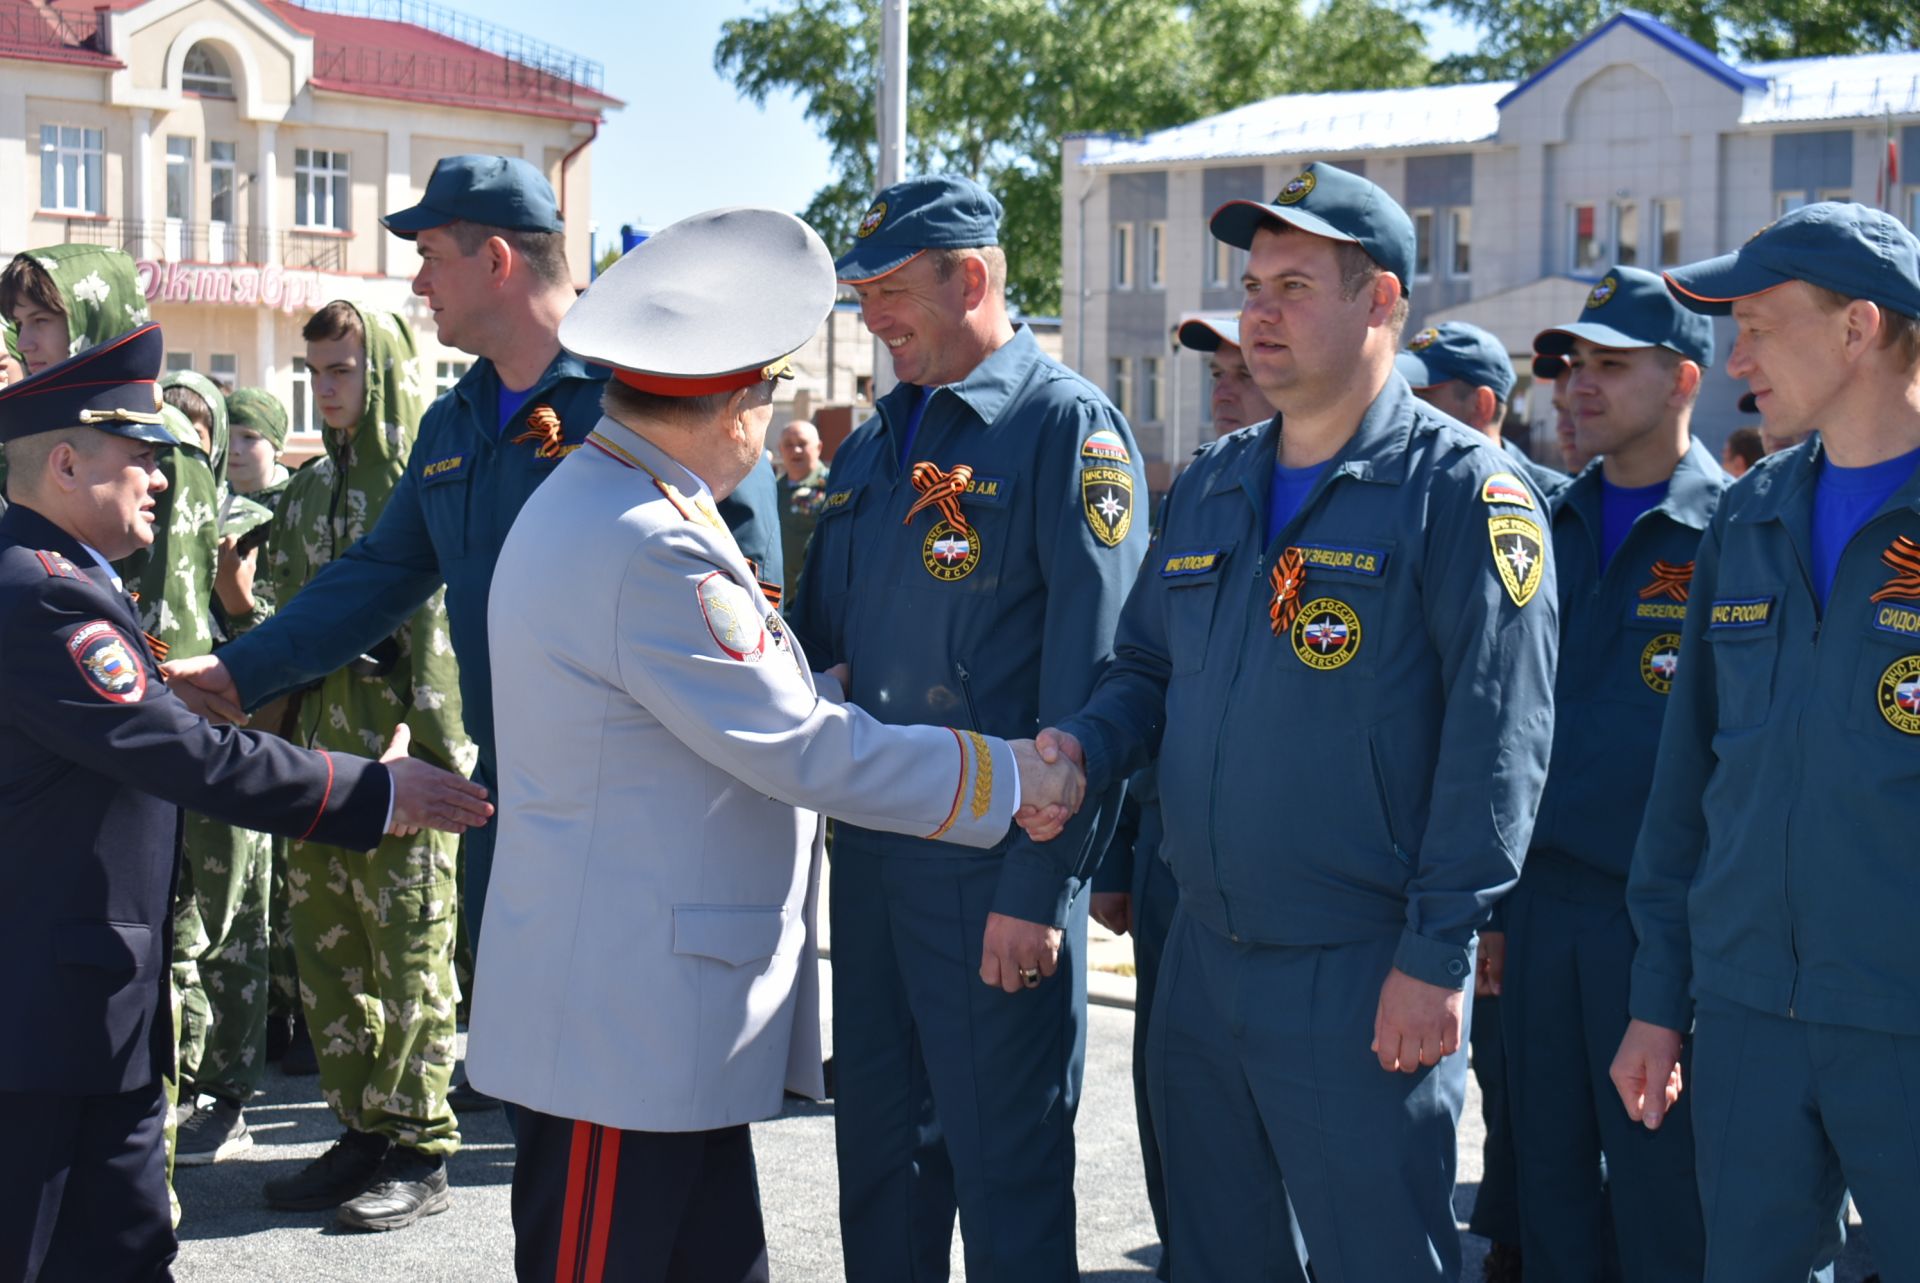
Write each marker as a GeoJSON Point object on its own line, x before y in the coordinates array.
{"type": "Point", "coordinates": [1634, 145]}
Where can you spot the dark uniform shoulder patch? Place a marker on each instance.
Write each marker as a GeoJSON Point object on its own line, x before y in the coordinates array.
{"type": "Point", "coordinates": [1519, 554]}
{"type": "Point", "coordinates": [1106, 493]}
{"type": "Point", "coordinates": [108, 661]}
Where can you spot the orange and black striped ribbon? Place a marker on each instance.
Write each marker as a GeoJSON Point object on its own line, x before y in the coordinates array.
{"type": "Point", "coordinates": [587, 1215]}
{"type": "Point", "coordinates": [543, 426]}
{"type": "Point", "coordinates": [1288, 574]}
{"type": "Point", "coordinates": [154, 644]}
{"type": "Point", "coordinates": [1669, 580]}
{"type": "Point", "coordinates": [942, 490]}
{"type": "Point", "coordinates": [1903, 558]}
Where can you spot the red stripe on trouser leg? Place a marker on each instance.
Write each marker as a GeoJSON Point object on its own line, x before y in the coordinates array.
{"type": "Point", "coordinates": [602, 1222]}
{"type": "Point", "coordinates": [567, 1263]}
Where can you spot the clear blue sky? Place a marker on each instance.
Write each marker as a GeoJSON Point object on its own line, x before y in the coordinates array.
{"type": "Point", "coordinates": [685, 141]}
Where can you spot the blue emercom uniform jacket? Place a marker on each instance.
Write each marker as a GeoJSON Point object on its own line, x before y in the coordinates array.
{"type": "Point", "coordinates": [1355, 745]}
{"type": "Point", "coordinates": [1776, 867]}
{"type": "Point", "coordinates": [1619, 647]}
{"type": "Point", "coordinates": [451, 511]}
{"type": "Point", "coordinates": [1004, 626]}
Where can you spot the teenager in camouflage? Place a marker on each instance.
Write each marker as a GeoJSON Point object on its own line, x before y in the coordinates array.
{"type": "Point", "coordinates": [59, 301]}
{"type": "Point", "coordinates": [220, 955]}
{"type": "Point", "coordinates": [373, 935]}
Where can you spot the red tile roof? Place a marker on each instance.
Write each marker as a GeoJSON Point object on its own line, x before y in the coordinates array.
{"type": "Point", "coordinates": [42, 33]}
{"type": "Point", "coordinates": [352, 54]}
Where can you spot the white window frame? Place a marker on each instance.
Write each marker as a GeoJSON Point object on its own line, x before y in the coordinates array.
{"type": "Point", "coordinates": [448, 373]}
{"type": "Point", "coordinates": [1153, 390]}
{"type": "Point", "coordinates": [1842, 194]}
{"type": "Point", "coordinates": [1669, 215]}
{"type": "Point", "coordinates": [73, 156]}
{"type": "Point", "coordinates": [1620, 213]}
{"type": "Point", "coordinates": [305, 411]}
{"type": "Point", "coordinates": [1123, 256]}
{"type": "Point", "coordinates": [1220, 266]}
{"type": "Point", "coordinates": [1157, 254]}
{"type": "Point", "coordinates": [216, 83]}
{"type": "Point", "coordinates": [322, 189]}
{"type": "Point", "coordinates": [1120, 385]}
{"type": "Point", "coordinates": [1459, 236]}
{"type": "Point", "coordinates": [1422, 242]}
{"type": "Point", "coordinates": [1785, 203]}
{"type": "Point", "coordinates": [1574, 265]}
{"type": "Point", "coordinates": [1913, 209]}
{"type": "Point", "coordinates": [224, 369]}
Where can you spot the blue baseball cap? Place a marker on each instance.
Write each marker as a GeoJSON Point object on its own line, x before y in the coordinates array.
{"type": "Point", "coordinates": [113, 386]}
{"type": "Point", "coordinates": [1456, 350]}
{"type": "Point", "coordinates": [1844, 247]}
{"type": "Point", "coordinates": [495, 191]}
{"type": "Point", "coordinates": [1631, 308]}
{"type": "Point", "coordinates": [1331, 202]}
{"type": "Point", "coordinates": [1208, 333]}
{"type": "Point", "coordinates": [941, 211]}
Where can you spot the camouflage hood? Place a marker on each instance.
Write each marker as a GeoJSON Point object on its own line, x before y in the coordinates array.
{"type": "Point", "coordinates": [100, 290]}
{"type": "Point", "coordinates": [216, 400]}
{"type": "Point", "coordinates": [361, 470]}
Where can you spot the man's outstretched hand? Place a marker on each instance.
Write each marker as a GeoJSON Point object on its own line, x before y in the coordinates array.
{"type": "Point", "coordinates": [206, 687]}
{"type": "Point", "coordinates": [426, 797]}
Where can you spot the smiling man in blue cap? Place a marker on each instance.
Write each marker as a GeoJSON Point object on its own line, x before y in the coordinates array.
{"type": "Point", "coordinates": [1773, 885]}
{"type": "Point", "coordinates": [1343, 646]}
{"type": "Point", "coordinates": [1625, 537]}
{"type": "Point", "coordinates": [976, 542]}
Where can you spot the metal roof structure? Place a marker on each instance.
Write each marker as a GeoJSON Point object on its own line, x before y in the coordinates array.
{"type": "Point", "coordinates": [1802, 89]}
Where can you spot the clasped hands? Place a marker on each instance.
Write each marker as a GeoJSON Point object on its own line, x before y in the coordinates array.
{"type": "Point", "coordinates": [1053, 782]}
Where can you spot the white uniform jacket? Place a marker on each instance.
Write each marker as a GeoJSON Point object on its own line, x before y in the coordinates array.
{"type": "Point", "coordinates": [649, 959]}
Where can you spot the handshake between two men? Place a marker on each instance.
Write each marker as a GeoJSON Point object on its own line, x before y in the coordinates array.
{"type": "Point", "coordinates": [1015, 953]}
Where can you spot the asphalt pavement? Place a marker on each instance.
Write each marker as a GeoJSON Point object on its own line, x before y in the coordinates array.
{"type": "Point", "coordinates": [229, 1234]}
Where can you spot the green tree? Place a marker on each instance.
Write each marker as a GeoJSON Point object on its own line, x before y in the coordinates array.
{"type": "Point", "coordinates": [996, 84]}
{"type": "Point", "coordinates": [1522, 36]}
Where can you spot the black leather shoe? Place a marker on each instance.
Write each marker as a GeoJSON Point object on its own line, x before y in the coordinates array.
{"type": "Point", "coordinates": [409, 1185]}
{"type": "Point", "coordinates": [331, 1179]}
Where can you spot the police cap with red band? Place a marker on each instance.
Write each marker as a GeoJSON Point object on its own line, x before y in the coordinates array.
{"type": "Point", "coordinates": [113, 386]}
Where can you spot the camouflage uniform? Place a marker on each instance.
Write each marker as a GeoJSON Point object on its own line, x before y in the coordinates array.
{"type": "Point", "coordinates": [101, 292]}
{"type": "Point", "coordinates": [374, 934]}
{"type": "Point", "coordinates": [220, 957]}
{"type": "Point", "coordinates": [261, 410]}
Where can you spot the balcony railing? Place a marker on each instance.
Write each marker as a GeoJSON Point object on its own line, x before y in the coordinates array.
{"type": "Point", "coordinates": [45, 32]}
{"type": "Point", "coordinates": [504, 64]}
{"type": "Point", "coordinates": [481, 78]}
{"type": "Point", "coordinates": [215, 243]}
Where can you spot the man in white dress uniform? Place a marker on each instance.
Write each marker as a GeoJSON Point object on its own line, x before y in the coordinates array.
{"type": "Point", "coordinates": [649, 984]}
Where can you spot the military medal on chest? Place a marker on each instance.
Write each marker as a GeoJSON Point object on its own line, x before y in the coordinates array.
{"type": "Point", "coordinates": [951, 550]}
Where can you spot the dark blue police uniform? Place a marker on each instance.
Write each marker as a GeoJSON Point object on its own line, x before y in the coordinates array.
{"type": "Point", "coordinates": [97, 758]}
